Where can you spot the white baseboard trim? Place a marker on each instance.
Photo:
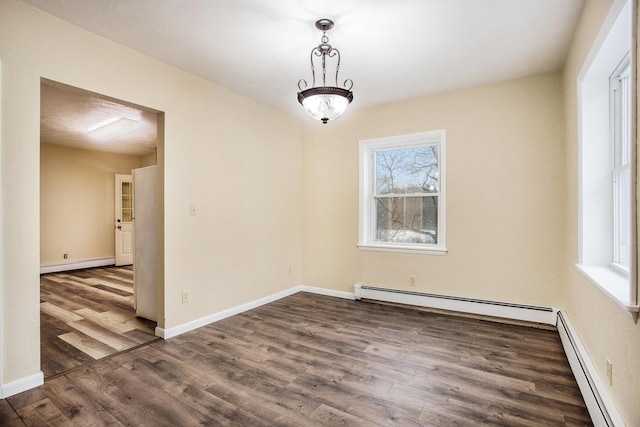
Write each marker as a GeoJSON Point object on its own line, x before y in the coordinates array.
{"type": "Point", "coordinates": [596, 396]}
{"type": "Point", "coordinates": [77, 265]}
{"type": "Point", "coordinates": [203, 321]}
{"type": "Point", "coordinates": [528, 313]}
{"type": "Point", "coordinates": [23, 384]}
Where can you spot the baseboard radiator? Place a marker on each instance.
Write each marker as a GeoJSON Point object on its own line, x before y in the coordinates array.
{"type": "Point", "coordinates": [530, 313]}
{"type": "Point", "coordinates": [601, 409]}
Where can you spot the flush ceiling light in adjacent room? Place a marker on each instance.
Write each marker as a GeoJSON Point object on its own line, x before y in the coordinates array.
{"type": "Point", "coordinates": [324, 102]}
{"type": "Point", "coordinates": [112, 127]}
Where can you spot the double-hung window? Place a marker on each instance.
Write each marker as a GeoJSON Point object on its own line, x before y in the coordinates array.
{"type": "Point", "coordinates": [402, 193]}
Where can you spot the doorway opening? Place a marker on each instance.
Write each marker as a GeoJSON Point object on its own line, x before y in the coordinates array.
{"type": "Point", "coordinates": [88, 304]}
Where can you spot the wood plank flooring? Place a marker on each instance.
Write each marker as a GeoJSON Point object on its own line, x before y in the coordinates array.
{"type": "Point", "coordinates": [87, 315]}
{"type": "Point", "coordinates": [310, 360]}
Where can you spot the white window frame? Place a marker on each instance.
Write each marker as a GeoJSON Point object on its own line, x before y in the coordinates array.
{"type": "Point", "coordinates": [367, 211]}
{"type": "Point", "coordinates": [597, 256]}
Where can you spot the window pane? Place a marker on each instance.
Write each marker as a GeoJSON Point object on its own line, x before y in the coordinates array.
{"type": "Point", "coordinates": [621, 94]}
{"type": "Point", "coordinates": [622, 217]}
{"type": "Point", "coordinates": [127, 202]}
{"type": "Point", "coordinates": [407, 219]}
{"type": "Point", "coordinates": [625, 118]}
{"type": "Point", "coordinates": [408, 170]}
{"type": "Point", "coordinates": [621, 127]}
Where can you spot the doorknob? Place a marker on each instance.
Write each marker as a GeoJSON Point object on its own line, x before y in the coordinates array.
{"type": "Point", "coordinates": [119, 227]}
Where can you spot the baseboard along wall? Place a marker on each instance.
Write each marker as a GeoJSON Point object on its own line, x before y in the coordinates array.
{"type": "Point", "coordinates": [189, 326]}
{"type": "Point", "coordinates": [23, 384]}
{"type": "Point", "coordinates": [77, 265]}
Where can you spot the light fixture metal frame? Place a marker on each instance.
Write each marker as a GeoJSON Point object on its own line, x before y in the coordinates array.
{"type": "Point", "coordinates": [324, 50]}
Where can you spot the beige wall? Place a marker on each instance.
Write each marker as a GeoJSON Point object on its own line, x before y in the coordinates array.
{"type": "Point", "coordinates": [237, 160]}
{"type": "Point", "coordinates": [150, 159]}
{"type": "Point", "coordinates": [77, 202]}
{"type": "Point", "coordinates": [606, 330]}
{"type": "Point", "coordinates": [505, 195]}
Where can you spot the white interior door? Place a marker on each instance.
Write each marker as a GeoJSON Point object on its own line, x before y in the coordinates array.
{"type": "Point", "coordinates": [145, 273]}
{"type": "Point", "coordinates": [124, 220]}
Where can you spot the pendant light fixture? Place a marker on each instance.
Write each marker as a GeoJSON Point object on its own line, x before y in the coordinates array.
{"type": "Point", "coordinates": [324, 102]}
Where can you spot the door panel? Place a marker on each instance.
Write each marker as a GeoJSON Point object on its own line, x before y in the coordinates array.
{"type": "Point", "coordinates": [145, 273]}
{"type": "Point", "coordinates": [124, 220]}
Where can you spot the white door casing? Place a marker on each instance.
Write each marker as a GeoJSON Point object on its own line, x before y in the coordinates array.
{"type": "Point", "coordinates": [124, 220]}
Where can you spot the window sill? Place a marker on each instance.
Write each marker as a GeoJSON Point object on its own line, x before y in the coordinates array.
{"type": "Point", "coordinates": [612, 283]}
{"type": "Point", "coordinates": [402, 249]}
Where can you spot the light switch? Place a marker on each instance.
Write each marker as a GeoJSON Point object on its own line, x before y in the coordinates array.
{"type": "Point", "coordinates": [192, 209]}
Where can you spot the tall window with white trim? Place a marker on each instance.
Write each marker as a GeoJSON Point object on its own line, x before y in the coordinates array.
{"type": "Point", "coordinates": [607, 162]}
{"type": "Point", "coordinates": [402, 193]}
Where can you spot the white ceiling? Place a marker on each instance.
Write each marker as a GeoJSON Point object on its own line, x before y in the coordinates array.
{"type": "Point", "coordinates": [67, 114]}
{"type": "Point", "coordinates": [391, 49]}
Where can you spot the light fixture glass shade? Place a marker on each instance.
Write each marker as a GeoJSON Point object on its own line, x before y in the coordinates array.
{"type": "Point", "coordinates": [325, 103]}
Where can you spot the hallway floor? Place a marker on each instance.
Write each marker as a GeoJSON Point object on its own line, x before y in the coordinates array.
{"type": "Point", "coordinates": [87, 315]}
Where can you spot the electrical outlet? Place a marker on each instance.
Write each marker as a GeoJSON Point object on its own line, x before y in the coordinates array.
{"type": "Point", "coordinates": [185, 297]}
{"type": "Point", "coordinates": [609, 372]}
{"type": "Point", "coordinates": [412, 280]}
{"type": "Point", "coordinates": [289, 271]}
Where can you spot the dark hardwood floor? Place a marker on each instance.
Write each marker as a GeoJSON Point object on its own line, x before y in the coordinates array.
{"type": "Point", "coordinates": [310, 360]}
{"type": "Point", "coordinates": [86, 315]}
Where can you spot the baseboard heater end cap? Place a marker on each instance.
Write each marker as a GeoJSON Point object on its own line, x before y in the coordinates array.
{"type": "Point", "coordinates": [357, 291]}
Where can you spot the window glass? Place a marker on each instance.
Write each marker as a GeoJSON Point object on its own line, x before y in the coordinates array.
{"type": "Point", "coordinates": [407, 171]}
{"type": "Point", "coordinates": [620, 96]}
{"type": "Point", "coordinates": [407, 219]}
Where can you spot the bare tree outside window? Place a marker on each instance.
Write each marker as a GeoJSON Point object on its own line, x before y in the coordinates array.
{"type": "Point", "coordinates": [406, 195]}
